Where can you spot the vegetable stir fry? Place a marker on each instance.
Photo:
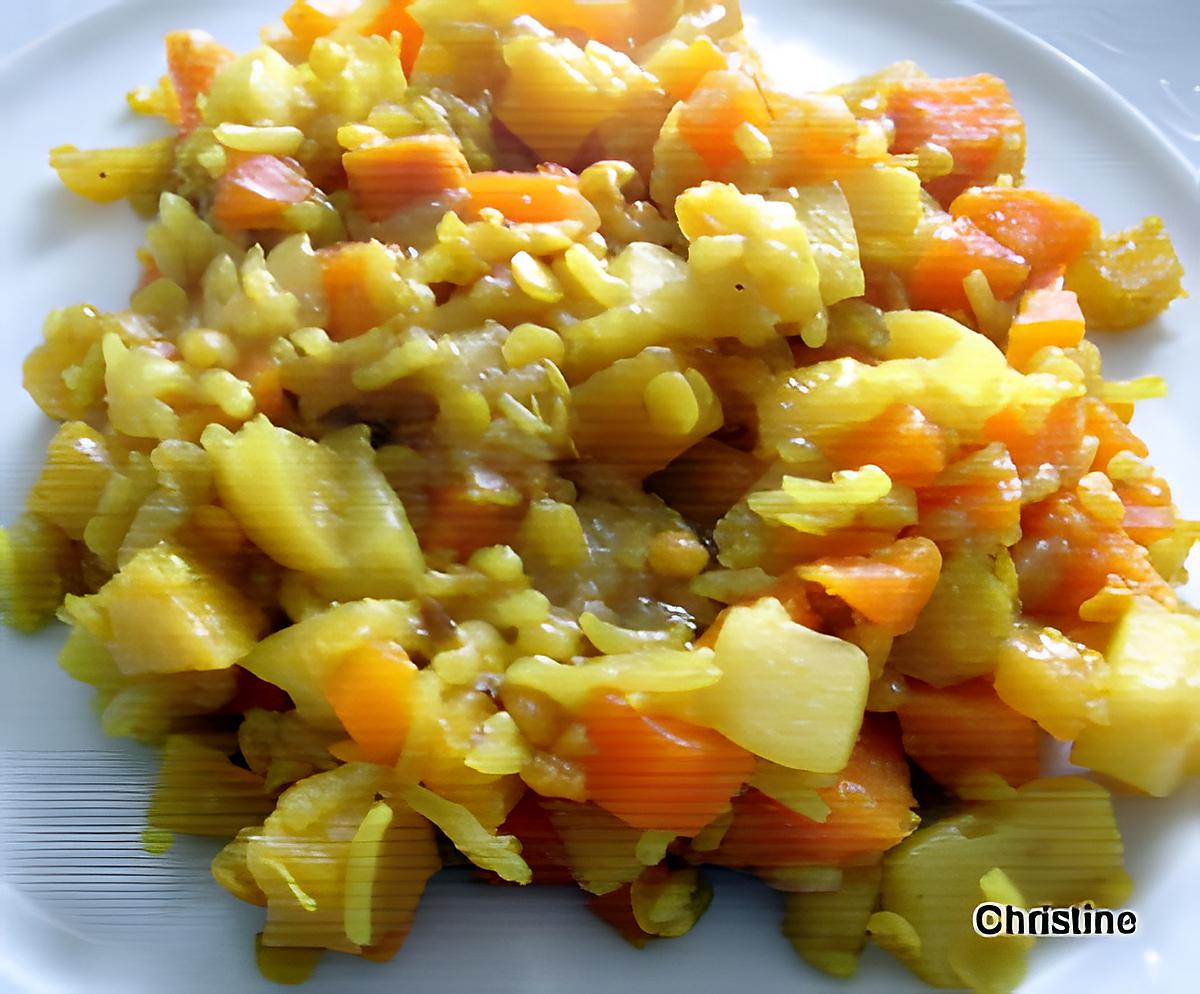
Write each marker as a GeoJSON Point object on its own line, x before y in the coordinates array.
{"type": "Point", "coordinates": [539, 441]}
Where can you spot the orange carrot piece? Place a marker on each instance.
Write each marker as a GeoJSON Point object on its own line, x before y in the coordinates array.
{"type": "Point", "coordinates": [193, 59]}
{"type": "Point", "coordinates": [530, 198]}
{"type": "Point", "coordinates": [1066, 557]}
{"type": "Point", "coordinates": [658, 773]}
{"type": "Point", "coordinates": [309, 20]}
{"type": "Point", "coordinates": [1048, 232]}
{"type": "Point", "coordinates": [956, 249]}
{"type": "Point", "coordinates": [257, 191]}
{"type": "Point", "coordinates": [901, 441]}
{"type": "Point", "coordinates": [459, 523]}
{"type": "Point", "coordinates": [541, 846]}
{"type": "Point", "coordinates": [889, 588]}
{"type": "Point", "coordinates": [972, 117]}
{"type": "Point", "coordinates": [345, 280]}
{"type": "Point", "coordinates": [384, 178]}
{"type": "Point", "coordinates": [1149, 510]}
{"type": "Point", "coordinates": [395, 16]}
{"type": "Point", "coordinates": [1113, 433]}
{"type": "Point", "coordinates": [370, 691]}
{"type": "Point", "coordinates": [1046, 318]}
{"type": "Point", "coordinates": [870, 810]}
{"type": "Point", "coordinates": [988, 504]}
{"type": "Point", "coordinates": [722, 102]}
{"type": "Point", "coordinates": [954, 732]}
{"type": "Point", "coordinates": [1054, 444]}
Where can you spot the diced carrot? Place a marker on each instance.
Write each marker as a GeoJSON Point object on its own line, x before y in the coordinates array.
{"type": "Point", "coordinates": [989, 504]}
{"type": "Point", "coordinates": [1055, 444]}
{"type": "Point", "coordinates": [1149, 510]}
{"type": "Point", "coordinates": [956, 249]}
{"type": "Point", "coordinates": [395, 16]}
{"type": "Point", "coordinates": [384, 178]}
{"type": "Point", "coordinates": [814, 139]}
{"type": "Point", "coordinates": [792, 591]}
{"type": "Point", "coordinates": [1046, 318]}
{"type": "Point", "coordinates": [1066, 556]}
{"type": "Point", "coordinates": [658, 773]}
{"type": "Point", "coordinates": [680, 71]}
{"type": "Point", "coordinates": [255, 193]}
{"type": "Point", "coordinates": [973, 118]}
{"type": "Point", "coordinates": [1113, 433]}
{"type": "Point", "coordinates": [901, 441]}
{"type": "Point", "coordinates": [954, 732]}
{"type": "Point", "coordinates": [193, 59]}
{"type": "Point", "coordinates": [889, 588]}
{"type": "Point", "coordinates": [345, 278]}
{"type": "Point", "coordinates": [1046, 231]}
{"type": "Point", "coordinates": [722, 102]}
{"type": "Point", "coordinates": [463, 524]}
{"type": "Point", "coordinates": [541, 846]}
{"type": "Point", "coordinates": [530, 198]}
{"type": "Point", "coordinates": [309, 20]}
{"type": "Point", "coordinates": [370, 691]}
{"type": "Point", "coordinates": [870, 810]}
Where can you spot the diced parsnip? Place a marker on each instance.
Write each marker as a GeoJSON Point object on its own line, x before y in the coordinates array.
{"type": "Point", "coordinates": [825, 214]}
{"type": "Point", "coordinates": [358, 541]}
{"type": "Point", "coordinates": [108, 174]}
{"type": "Point", "coordinates": [555, 95]}
{"type": "Point", "coordinates": [68, 490]}
{"type": "Point", "coordinates": [614, 415]}
{"type": "Point", "coordinates": [1128, 278]}
{"type": "Point", "coordinates": [34, 557]}
{"type": "Point", "coordinates": [669, 901]}
{"type": "Point", "coordinates": [1152, 738]}
{"type": "Point", "coordinates": [165, 612]}
{"type": "Point", "coordinates": [786, 693]}
{"type": "Point", "coordinates": [964, 626]}
{"type": "Point", "coordinates": [387, 177]}
{"type": "Point", "coordinates": [601, 849]}
{"type": "Point", "coordinates": [305, 657]}
{"type": "Point", "coordinates": [1048, 232]}
{"type": "Point", "coordinates": [933, 880]}
{"type": "Point", "coordinates": [829, 930]}
{"type": "Point", "coordinates": [972, 117]}
{"type": "Point", "coordinates": [200, 792]}
{"type": "Point", "coordinates": [499, 853]}
{"type": "Point", "coordinates": [193, 60]}
{"type": "Point", "coordinates": [256, 193]}
{"type": "Point", "coordinates": [1060, 684]}
{"type": "Point", "coordinates": [301, 861]}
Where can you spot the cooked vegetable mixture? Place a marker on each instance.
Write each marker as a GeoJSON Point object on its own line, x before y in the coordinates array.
{"type": "Point", "coordinates": [539, 441]}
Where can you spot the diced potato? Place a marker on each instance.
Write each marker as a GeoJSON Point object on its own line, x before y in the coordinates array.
{"type": "Point", "coordinates": [1061, 685]}
{"type": "Point", "coordinates": [34, 556]}
{"type": "Point", "coordinates": [108, 174]}
{"type": "Point", "coordinates": [1057, 842]}
{"type": "Point", "coordinates": [200, 792]}
{"type": "Point", "coordinates": [786, 693]}
{"type": "Point", "coordinates": [825, 214]}
{"type": "Point", "coordinates": [358, 541]}
{"type": "Point", "coordinates": [1152, 738]}
{"type": "Point", "coordinates": [1128, 278]}
{"type": "Point", "coordinates": [260, 88]}
{"type": "Point", "coordinates": [829, 929]}
{"type": "Point", "coordinates": [166, 612]}
{"type": "Point", "coordinates": [963, 629]}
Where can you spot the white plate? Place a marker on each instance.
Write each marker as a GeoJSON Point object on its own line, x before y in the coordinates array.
{"type": "Point", "coordinates": [83, 909]}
